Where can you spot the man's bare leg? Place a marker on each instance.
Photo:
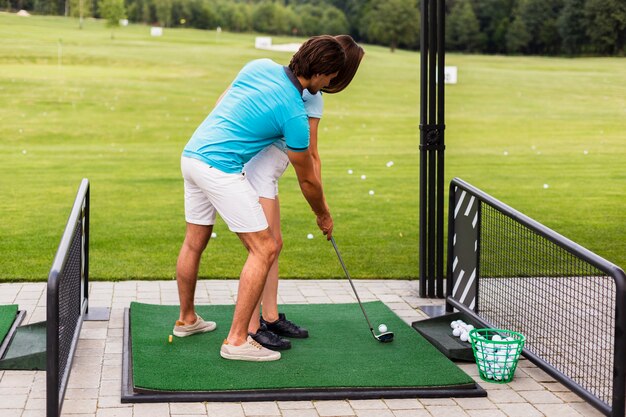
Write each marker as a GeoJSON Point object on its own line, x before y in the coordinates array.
{"type": "Point", "coordinates": [261, 254]}
{"type": "Point", "coordinates": [271, 208]}
{"type": "Point", "coordinates": [196, 239]}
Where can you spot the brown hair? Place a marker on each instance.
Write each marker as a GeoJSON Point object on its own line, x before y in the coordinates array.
{"type": "Point", "coordinates": [319, 55]}
{"type": "Point", "coordinates": [354, 55]}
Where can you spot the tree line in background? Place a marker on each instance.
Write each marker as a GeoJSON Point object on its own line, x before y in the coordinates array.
{"type": "Point", "coordinates": [537, 27]}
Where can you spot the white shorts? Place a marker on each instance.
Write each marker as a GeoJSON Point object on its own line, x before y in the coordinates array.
{"type": "Point", "coordinates": [264, 170]}
{"type": "Point", "coordinates": [208, 190]}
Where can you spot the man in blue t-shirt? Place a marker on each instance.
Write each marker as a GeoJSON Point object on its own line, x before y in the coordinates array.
{"type": "Point", "coordinates": [262, 105]}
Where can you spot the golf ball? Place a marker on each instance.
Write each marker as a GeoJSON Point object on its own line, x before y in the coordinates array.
{"type": "Point", "coordinates": [382, 328]}
{"type": "Point", "coordinates": [213, 235]}
{"type": "Point", "coordinates": [309, 236]}
{"type": "Point", "coordinates": [350, 171]}
{"type": "Point", "coordinates": [389, 164]}
{"type": "Point", "coordinates": [363, 177]}
{"type": "Point", "coordinates": [545, 186]}
{"type": "Point", "coordinates": [371, 192]}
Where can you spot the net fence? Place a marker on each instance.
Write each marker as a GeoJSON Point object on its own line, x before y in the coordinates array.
{"type": "Point", "coordinates": [564, 305]}
{"type": "Point", "coordinates": [70, 300]}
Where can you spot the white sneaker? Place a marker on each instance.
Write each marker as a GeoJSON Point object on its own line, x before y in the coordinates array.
{"type": "Point", "coordinates": [249, 351]}
{"type": "Point", "coordinates": [199, 326]}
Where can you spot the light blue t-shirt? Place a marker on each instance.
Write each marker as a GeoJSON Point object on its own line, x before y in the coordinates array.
{"type": "Point", "coordinates": [261, 106]}
{"type": "Point", "coordinates": [314, 105]}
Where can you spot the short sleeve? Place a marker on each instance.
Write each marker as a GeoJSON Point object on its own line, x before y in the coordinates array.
{"type": "Point", "coordinates": [296, 133]}
{"type": "Point", "coordinates": [313, 104]}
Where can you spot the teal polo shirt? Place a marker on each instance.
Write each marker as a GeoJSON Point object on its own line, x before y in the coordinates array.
{"type": "Point", "coordinates": [263, 105]}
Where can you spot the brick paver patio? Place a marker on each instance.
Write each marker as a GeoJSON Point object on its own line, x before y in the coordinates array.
{"type": "Point", "coordinates": [94, 385]}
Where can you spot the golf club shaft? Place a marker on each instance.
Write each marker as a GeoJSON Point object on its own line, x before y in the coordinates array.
{"type": "Point", "coordinates": [343, 265]}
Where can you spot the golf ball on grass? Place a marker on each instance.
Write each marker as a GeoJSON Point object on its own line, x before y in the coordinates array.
{"type": "Point", "coordinates": [382, 328]}
{"type": "Point", "coordinates": [309, 236]}
{"type": "Point", "coordinates": [371, 192]}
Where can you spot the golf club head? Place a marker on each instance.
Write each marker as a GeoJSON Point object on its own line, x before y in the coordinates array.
{"type": "Point", "coordinates": [385, 337]}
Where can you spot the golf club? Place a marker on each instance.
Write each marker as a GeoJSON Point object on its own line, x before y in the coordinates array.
{"type": "Point", "coordinates": [384, 337]}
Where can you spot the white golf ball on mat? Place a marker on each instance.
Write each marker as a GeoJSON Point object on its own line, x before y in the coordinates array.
{"type": "Point", "coordinates": [382, 328]}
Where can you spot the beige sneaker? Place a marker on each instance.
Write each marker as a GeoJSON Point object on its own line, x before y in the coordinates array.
{"type": "Point", "coordinates": [249, 351]}
{"type": "Point", "coordinates": [199, 326]}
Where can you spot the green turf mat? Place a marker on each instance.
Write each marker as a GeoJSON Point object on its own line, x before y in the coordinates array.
{"type": "Point", "coordinates": [7, 316]}
{"type": "Point", "coordinates": [340, 352]}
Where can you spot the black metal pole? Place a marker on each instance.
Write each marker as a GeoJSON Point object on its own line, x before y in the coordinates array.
{"type": "Point", "coordinates": [431, 148]}
{"type": "Point", "coordinates": [440, 152]}
{"type": "Point", "coordinates": [423, 233]}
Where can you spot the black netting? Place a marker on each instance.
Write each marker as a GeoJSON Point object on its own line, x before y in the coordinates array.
{"type": "Point", "coordinates": [563, 305]}
{"type": "Point", "coordinates": [70, 299]}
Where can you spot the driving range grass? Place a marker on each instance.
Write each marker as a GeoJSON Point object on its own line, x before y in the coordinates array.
{"type": "Point", "coordinates": [76, 103]}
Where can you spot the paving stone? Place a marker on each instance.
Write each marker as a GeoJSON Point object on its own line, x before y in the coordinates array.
{"type": "Point", "coordinates": [520, 410]}
{"type": "Point", "coordinates": [307, 412]}
{"type": "Point", "coordinates": [374, 413]}
{"type": "Point", "coordinates": [188, 408]}
{"type": "Point", "coordinates": [295, 405]}
{"type": "Point", "coordinates": [446, 411]}
{"type": "Point", "coordinates": [438, 401]}
{"type": "Point", "coordinates": [15, 379]}
{"type": "Point", "coordinates": [261, 408]}
{"type": "Point", "coordinates": [224, 409]}
{"type": "Point", "coordinates": [112, 401]}
{"type": "Point", "coordinates": [558, 410]}
{"type": "Point", "coordinates": [525, 384]}
{"type": "Point", "coordinates": [586, 410]}
{"type": "Point", "coordinates": [475, 403]}
{"type": "Point", "coordinates": [151, 410]}
{"type": "Point", "coordinates": [71, 406]}
{"type": "Point", "coordinates": [404, 404]}
{"type": "Point", "coordinates": [12, 412]}
{"type": "Point", "coordinates": [12, 402]}
{"type": "Point", "coordinates": [34, 413]}
{"type": "Point", "coordinates": [540, 397]}
{"type": "Point", "coordinates": [412, 413]}
{"type": "Point", "coordinates": [368, 404]}
{"type": "Point", "coordinates": [505, 396]}
{"type": "Point", "coordinates": [486, 413]}
{"type": "Point", "coordinates": [333, 408]}
{"type": "Point", "coordinates": [115, 412]}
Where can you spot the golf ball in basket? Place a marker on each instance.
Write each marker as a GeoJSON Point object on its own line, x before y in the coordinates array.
{"type": "Point", "coordinates": [382, 328]}
{"type": "Point", "coordinates": [309, 236]}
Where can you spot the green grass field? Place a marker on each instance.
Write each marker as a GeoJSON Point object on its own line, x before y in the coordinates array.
{"type": "Point", "coordinates": [76, 103]}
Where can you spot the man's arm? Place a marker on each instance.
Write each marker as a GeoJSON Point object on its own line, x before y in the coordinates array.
{"type": "Point", "coordinates": [312, 190]}
{"type": "Point", "coordinates": [317, 162]}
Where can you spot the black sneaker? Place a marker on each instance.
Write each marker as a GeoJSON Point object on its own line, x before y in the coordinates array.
{"type": "Point", "coordinates": [284, 327]}
{"type": "Point", "coordinates": [269, 339]}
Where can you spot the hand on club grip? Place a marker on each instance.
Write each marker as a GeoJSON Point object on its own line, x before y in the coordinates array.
{"type": "Point", "coordinates": [325, 223]}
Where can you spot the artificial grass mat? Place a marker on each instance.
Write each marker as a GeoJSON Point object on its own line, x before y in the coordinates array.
{"type": "Point", "coordinates": [7, 317]}
{"type": "Point", "coordinates": [340, 352]}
